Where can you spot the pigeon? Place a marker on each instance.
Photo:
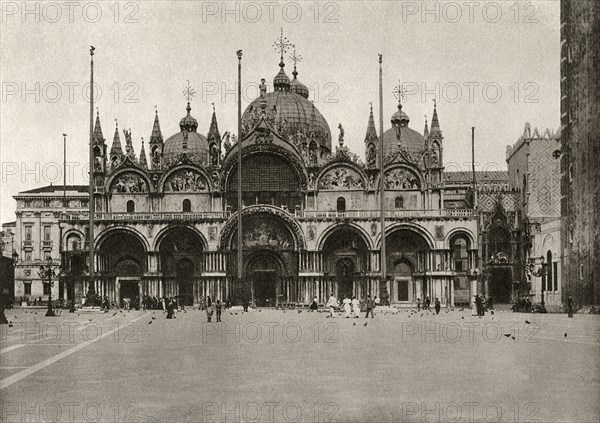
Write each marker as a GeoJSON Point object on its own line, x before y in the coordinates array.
{"type": "Point", "coordinates": [462, 317]}
{"type": "Point", "coordinates": [492, 312]}
{"type": "Point", "coordinates": [527, 321]}
{"type": "Point", "coordinates": [230, 313]}
{"type": "Point", "coordinates": [354, 324]}
{"type": "Point", "coordinates": [565, 334]}
{"type": "Point", "coordinates": [114, 314]}
{"type": "Point", "coordinates": [237, 314]}
{"type": "Point", "coordinates": [513, 338]}
{"type": "Point", "coordinates": [507, 335]}
{"type": "Point", "coordinates": [259, 311]}
{"type": "Point", "coordinates": [365, 324]}
{"type": "Point", "coordinates": [10, 325]}
{"type": "Point", "coordinates": [299, 311]}
{"type": "Point", "coordinates": [153, 318]}
{"type": "Point", "coordinates": [150, 322]}
{"type": "Point", "coordinates": [89, 320]}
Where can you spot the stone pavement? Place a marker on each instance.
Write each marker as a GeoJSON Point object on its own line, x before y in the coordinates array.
{"type": "Point", "coordinates": [272, 366]}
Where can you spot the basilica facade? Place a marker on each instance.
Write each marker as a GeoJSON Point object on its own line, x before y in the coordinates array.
{"type": "Point", "coordinates": [166, 224]}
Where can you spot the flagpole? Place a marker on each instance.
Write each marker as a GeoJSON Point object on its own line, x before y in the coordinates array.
{"type": "Point", "coordinates": [92, 205]}
{"type": "Point", "coordinates": [381, 175]}
{"type": "Point", "coordinates": [239, 174]}
{"type": "Point", "coordinates": [65, 171]}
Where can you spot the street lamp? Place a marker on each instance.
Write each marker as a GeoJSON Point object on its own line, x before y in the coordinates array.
{"type": "Point", "coordinates": [49, 272]}
{"type": "Point", "coordinates": [540, 272]}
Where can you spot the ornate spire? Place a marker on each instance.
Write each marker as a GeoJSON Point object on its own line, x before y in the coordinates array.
{"type": "Point", "coordinates": [281, 82]}
{"type": "Point", "coordinates": [399, 118]}
{"type": "Point", "coordinates": [213, 131]}
{"type": "Point", "coordinates": [371, 131]}
{"type": "Point", "coordinates": [188, 123]}
{"type": "Point", "coordinates": [156, 136]}
{"type": "Point", "coordinates": [143, 162]}
{"type": "Point", "coordinates": [98, 129]}
{"type": "Point", "coordinates": [435, 124]}
{"type": "Point", "coordinates": [426, 130]}
{"type": "Point", "coordinates": [116, 149]}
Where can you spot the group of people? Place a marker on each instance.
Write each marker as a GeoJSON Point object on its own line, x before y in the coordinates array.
{"type": "Point", "coordinates": [479, 304]}
{"type": "Point", "coordinates": [216, 307]}
{"type": "Point", "coordinates": [352, 306]}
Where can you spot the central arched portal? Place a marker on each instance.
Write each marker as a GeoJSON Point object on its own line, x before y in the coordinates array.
{"type": "Point", "coordinates": [264, 270]}
{"type": "Point", "coordinates": [180, 263]}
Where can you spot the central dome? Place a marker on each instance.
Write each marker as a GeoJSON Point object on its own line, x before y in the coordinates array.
{"type": "Point", "coordinates": [297, 119]}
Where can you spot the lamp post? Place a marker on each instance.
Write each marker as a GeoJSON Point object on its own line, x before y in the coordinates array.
{"type": "Point", "coordinates": [540, 272]}
{"type": "Point", "coordinates": [49, 272]}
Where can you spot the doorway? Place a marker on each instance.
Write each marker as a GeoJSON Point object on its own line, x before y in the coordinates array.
{"type": "Point", "coordinates": [264, 271]}
{"type": "Point", "coordinates": [500, 284]}
{"type": "Point", "coordinates": [130, 289]}
{"type": "Point", "coordinates": [185, 282]}
{"type": "Point", "coordinates": [344, 271]}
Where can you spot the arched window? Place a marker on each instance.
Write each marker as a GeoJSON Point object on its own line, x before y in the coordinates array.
{"type": "Point", "coordinates": [460, 254]}
{"type": "Point", "coordinates": [187, 206]}
{"type": "Point", "coordinates": [130, 206]}
{"type": "Point", "coordinates": [341, 205]}
{"type": "Point", "coordinates": [549, 271]}
{"type": "Point", "coordinates": [399, 202]}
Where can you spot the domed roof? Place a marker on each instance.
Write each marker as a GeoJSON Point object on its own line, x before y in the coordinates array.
{"type": "Point", "coordinates": [298, 87]}
{"type": "Point", "coordinates": [295, 114]}
{"type": "Point", "coordinates": [410, 140]}
{"type": "Point", "coordinates": [187, 141]}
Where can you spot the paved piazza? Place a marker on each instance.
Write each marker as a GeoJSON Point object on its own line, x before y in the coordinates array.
{"type": "Point", "coordinates": [268, 365]}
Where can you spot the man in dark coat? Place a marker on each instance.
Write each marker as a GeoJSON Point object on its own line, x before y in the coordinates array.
{"type": "Point", "coordinates": [370, 306]}
{"type": "Point", "coordinates": [438, 306]}
{"type": "Point", "coordinates": [570, 306]}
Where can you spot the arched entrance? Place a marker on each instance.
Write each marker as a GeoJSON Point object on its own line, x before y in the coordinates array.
{"type": "Point", "coordinates": [180, 251]}
{"type": "Point", "coordinates": [122, 256]}
{"type": "Point", "coordinates": [345, 257]}
{"type": "Point", "coordinates": [407, 261]}
{"type": "Point", "coordinates": [499, 264]}
{"type": "Point", "coordinates": [264, 270]}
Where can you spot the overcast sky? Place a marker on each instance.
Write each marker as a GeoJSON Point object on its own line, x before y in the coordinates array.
{"type": "Point", "coordinates": [494, 65]}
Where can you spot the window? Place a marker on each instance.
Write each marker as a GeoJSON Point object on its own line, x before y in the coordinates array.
{"type": "Point", "coordinates": [555, 267]}
{"type": "Point", "coordinates": [47, 229]}
{"type": "Point", "coordinates": [27, 288]}
{"type": "Point", "coordinates": [187, 206]}
{"type": "Point", "coordinates": [46, 288]}
{"type": "Point", "coordinates": [341, 205]}
{"type": "Point", "coordinates": [28, 233]}
{"type": "Point", "coordinates": [130, 206]}
{"type": "Point", "coordinates": [399, 203]}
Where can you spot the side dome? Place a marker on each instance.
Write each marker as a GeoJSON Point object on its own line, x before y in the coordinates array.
{"type": "Point", "coordinates": [187, 141]}
{"type": "Point", "coordinates": [410, 140]}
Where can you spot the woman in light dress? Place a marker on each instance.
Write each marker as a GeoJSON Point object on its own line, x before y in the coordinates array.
{"type": "Point", "coordinates": [355, 307]}
{"type": "Point", "coordinates": [347, 306]}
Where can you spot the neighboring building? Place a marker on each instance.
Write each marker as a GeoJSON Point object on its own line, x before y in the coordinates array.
{"type": "Point", "coordinates": [38, 234]}
{"type": "Point", "coordinates": [7, 238]}
{"type": "Point", "coordinates": [580, 140]}
{"type": "Point", "coordinates": [167, 226]}
{"type": "Point", "coordinates": [534, 169]}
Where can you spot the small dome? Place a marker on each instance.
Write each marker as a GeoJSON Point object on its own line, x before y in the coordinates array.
{"type": "Point", "coordinates": [281, 82]}
{"type": "Point", "coordinates": [400, 116]}
{"type": "Point", "coordinates": [188, 123]}
{"type": "Point", "coordinates": [298, 87]}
